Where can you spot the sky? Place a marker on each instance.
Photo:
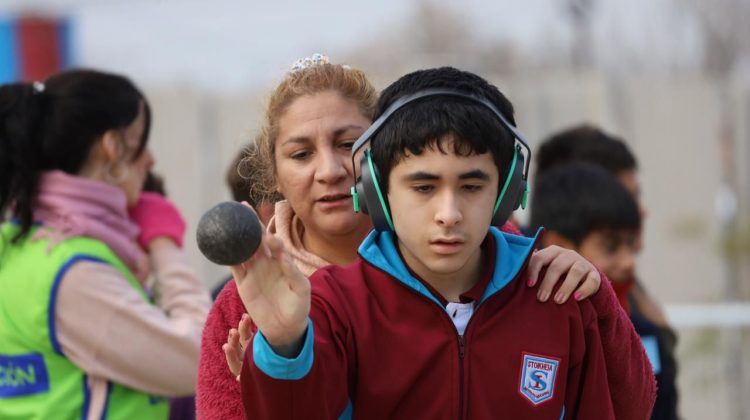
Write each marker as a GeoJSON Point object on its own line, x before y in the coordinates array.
{"type": "Point", "coordinates": [231, 44]}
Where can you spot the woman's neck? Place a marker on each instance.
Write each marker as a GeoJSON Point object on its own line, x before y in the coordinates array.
{"type": "Point", "coordinates": [340, 249]}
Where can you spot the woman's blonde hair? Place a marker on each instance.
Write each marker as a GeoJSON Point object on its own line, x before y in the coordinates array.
{"type": "Point", "coordinates": [260, 164]}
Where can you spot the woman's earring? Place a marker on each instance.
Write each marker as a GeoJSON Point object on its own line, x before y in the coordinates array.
{"type": "Point", "coordinates": [115, 173]}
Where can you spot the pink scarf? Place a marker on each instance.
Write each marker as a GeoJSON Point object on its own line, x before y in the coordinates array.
{"type": "Point", "coordinates": [69, 206]}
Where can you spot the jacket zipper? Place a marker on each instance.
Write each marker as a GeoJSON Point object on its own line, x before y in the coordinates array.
{"type": "Point", "coordinates": [461, 338]}
{"type": "Point", "coordinates": [461, 344]}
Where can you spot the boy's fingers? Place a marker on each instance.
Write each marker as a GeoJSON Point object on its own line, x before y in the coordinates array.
{"type": "Point", "coordinates": [233, 361]}
{"type": "Point", "coordinates": [238, 272]}
{"type": "Point", "coordinates": [275, 246]}
{"type": "Point", "coordinates": [234, 340]}
{"type": "Point", "coordinates": [245, 330]}
{"type": "Point", "coordinates": [297, 280]}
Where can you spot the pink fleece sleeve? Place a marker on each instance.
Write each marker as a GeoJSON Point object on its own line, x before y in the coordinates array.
{"type": "Point", "coordinates": [157, 216]}
{"type": "Point", "coordinates": [630, 376]}
{"type": "Point", "coordinates": [219, 395]}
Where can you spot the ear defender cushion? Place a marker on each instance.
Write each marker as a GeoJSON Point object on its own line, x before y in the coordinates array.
{"type": "Point", "coordinates": [370, 196]}
{"type": "Point", "coordinates": [513, 192]}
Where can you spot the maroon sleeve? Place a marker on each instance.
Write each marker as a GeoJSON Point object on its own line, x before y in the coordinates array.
{"type": "Point", "coordinates": [218, 392]}
{"type": "Point", "coordinates": [631, 377]}
{"type": "Point", "coordinates": [588, 394]}
{"type": "Point", "coordinates": [323, 390]}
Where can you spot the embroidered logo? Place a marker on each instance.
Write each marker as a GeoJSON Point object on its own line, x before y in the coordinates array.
{"type": "Point", "coordinates": [538, 375]}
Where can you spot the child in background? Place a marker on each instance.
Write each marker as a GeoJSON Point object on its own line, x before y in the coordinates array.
{"type": "Point", "coordinates": [588, 143]}
{"type": "Point", "coordinates": [74, 155]}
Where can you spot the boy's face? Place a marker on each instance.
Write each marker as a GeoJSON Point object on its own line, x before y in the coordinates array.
{"type": "Point", "coordinates": [612, 252]}
{"type": "Point", "coordinates": [442, 208]}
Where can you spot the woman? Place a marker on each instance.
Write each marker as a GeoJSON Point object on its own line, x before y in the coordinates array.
{"type": "Point", "coordinates": [313, 118]}
{"type": "Point", "coordinates": [85, 340]}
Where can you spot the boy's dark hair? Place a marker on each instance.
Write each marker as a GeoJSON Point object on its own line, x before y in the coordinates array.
{"type": "Point", "coordinates": [585, 143]}
{"type": "Point", "coordinates": [427, 121]}
{"type": "Point", "coordinates": [579, 198]}
{"type": "Point", "coordinates": [54, 125]}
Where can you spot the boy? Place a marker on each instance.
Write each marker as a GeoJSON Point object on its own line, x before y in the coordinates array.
{"type": "Point", "coordinates": [587, 143]}
{"type": "Point", "coordinates": [433, 321]}
{"type": "Point", "coordinates": [584, 208]}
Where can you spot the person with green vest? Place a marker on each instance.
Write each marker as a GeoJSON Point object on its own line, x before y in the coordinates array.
{"type": "Point", "coordinates": [80, 335]}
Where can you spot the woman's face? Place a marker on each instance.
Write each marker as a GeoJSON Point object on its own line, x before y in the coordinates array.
{"type": "Point", "coordinates": [134, 171]}
{"type": "Point", "coordinates": [314, 162]}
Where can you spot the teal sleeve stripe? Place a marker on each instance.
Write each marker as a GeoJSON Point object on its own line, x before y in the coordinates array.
{"type": "Point", "coordinates": [347, 414]}
{"type": "Point", "coordinates": [651, 345]}
{"type": "Point", "coordinates": [279, 367]}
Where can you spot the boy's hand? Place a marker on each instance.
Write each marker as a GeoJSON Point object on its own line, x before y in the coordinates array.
{"type": "Point", "coordinates": [237, 341]}
{"type": "Point", "coordinates": [276, 296]}
{"type": "Point", "coordinates": [580, 275]}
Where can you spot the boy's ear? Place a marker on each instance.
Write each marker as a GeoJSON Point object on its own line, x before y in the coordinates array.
{"type": "Point", "coordinates": [553, 238]}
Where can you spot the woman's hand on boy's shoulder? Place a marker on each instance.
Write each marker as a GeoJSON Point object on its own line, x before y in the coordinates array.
{"type": "Point", "coordinates": [553, 263]}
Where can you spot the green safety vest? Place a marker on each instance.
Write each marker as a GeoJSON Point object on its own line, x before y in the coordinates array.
{"type": "Point", "coordinates": [37, 381]}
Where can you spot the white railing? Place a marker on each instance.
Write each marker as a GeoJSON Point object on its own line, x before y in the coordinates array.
{"type": "Point", "coordinates": [718, 315]}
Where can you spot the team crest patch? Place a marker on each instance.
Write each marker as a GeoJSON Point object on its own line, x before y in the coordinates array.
{"type": "Point", "coordinates": [538, 375]}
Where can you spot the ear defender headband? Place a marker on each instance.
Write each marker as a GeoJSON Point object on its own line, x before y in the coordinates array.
{"type": "Point", "coordinates": [367, 194]}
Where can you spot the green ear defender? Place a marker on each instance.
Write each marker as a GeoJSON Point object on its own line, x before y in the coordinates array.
{"type": "Point", "coordinates": [368, 196]}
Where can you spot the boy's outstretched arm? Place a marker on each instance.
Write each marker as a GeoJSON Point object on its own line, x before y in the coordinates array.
{"type": "Point", "coordinates": [296, 362]}
{"type": "Point", "coordinates": [276, 296]}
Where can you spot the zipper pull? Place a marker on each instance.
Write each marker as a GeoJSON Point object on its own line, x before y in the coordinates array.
{"type": "Point", "coordinates": [461, 346]}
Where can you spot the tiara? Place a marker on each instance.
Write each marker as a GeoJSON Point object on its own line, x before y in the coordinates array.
{"type": "Point", "coordinates": [316, 59]}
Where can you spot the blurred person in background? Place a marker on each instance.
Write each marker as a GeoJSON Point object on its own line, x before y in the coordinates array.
{"type": "Point", "coordinates": [312, 119]}
{"type": "Point", "coordinates": [79, 334]}
{"type": "Point", "coordinates": [239, 178]}
{"type": "Point", "coordinates": [180, 408]}
{"type": "Point", "coordinates": [587, 143]}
